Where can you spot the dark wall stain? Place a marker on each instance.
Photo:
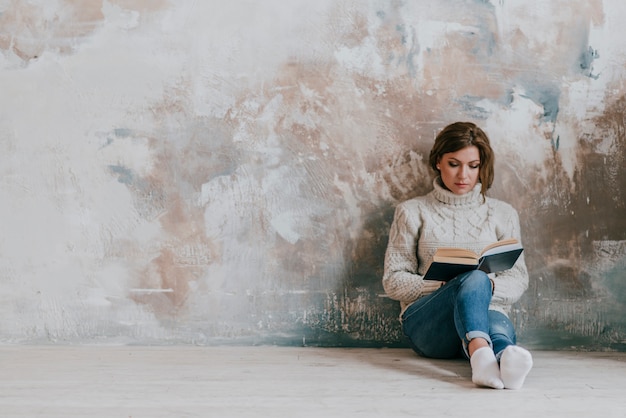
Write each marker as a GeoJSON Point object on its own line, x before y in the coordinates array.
{"type": "Point", "coordinates": [569, 240]}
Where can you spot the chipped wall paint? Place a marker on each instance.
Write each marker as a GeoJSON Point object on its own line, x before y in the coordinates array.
{"type": "Point", "coordinates": [210, 172]}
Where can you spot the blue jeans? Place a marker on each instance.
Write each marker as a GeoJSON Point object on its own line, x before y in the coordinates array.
{"type": "Point", "coordinates": [441, 324]}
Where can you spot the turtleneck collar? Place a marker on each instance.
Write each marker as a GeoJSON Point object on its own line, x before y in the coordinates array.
{"type": "Point", "coordinates": [444, 195]}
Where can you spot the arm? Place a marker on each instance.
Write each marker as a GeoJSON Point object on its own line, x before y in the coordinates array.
{"type": "Point", "coordinates": [400, 279]}
{"type": "Point", "coordinates": [511, 284]}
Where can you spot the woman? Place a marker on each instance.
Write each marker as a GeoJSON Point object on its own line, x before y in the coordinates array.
{"type": "Point", "coordinates": [466, 316]}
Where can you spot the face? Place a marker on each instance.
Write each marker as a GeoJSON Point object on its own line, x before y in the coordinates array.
{"type": "Point", "coordinates": [459, 170]}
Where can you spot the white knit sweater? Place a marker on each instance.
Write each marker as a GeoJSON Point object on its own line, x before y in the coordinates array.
{"type": "Point", "coordinates": [444, 219]}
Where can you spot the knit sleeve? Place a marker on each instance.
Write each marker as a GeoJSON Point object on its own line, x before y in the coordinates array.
{"type": "Point", "coordinates": [400, 279]}
{"type": "Point", "coordinates": [511, 284]}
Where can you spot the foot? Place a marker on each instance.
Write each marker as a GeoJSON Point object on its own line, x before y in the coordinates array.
{"type": "Point", "coordinates": [515, 364]}
{"type": "Point", "coordinates": [485, 370]}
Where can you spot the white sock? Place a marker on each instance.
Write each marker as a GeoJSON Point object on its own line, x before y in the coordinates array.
{"type": "Point", "coordinates": [485, 370]}
{"type": "Point", "coordinates": [515, 364]}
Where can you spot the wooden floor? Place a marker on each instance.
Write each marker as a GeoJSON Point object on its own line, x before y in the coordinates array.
{"type": "Point", "coordinates": [135, 382]}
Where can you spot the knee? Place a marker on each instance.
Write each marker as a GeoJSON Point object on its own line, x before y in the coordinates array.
{"type": "Point", "coordinates": [477, 275]}
{"type": "Point", "coordinates": [478, 279]}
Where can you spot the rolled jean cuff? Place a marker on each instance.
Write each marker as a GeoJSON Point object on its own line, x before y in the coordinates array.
{"type": "Point", "coordinates": [475, 334]}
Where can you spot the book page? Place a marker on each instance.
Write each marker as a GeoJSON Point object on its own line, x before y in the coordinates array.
{"type": "Point", "coordinates": [504, 242]}
{"type": "Point", "coordinates": [455, 252]}
{"type": "Point", "coordinates": [455, 260]}
{"type": "Point", "coordinates": [502, 249]}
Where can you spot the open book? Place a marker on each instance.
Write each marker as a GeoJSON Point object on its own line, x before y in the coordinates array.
{"type": "Point", "coordinates": [448, 263]}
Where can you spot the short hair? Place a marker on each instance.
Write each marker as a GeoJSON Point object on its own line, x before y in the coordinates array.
{"type": "Point", "coordinates": [459, 135]}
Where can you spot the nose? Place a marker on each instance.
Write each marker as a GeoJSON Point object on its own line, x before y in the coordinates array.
{"type": "Point", "coordinates": [463, 172]}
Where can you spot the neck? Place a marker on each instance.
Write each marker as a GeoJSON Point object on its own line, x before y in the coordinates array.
{"type": "Point", "coordinates": [473, 197]}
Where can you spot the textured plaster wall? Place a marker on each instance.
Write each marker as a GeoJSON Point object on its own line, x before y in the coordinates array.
{"type": "Point", "coordinates": [226, 172]}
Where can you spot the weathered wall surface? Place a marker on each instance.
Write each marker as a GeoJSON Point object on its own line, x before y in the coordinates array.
{"type": "Point", "coordinates": [226, 172]}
